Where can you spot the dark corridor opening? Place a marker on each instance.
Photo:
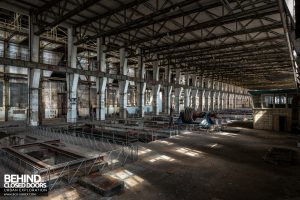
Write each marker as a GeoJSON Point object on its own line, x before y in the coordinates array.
{"type": "Point", "coordinates": [282, 123]}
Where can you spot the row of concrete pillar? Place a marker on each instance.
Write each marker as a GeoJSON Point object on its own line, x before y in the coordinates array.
{"type": "Point", "coordinates": [208, 98]}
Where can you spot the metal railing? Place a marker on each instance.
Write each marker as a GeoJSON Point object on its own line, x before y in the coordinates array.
{"type": "Point", "coordinates": [50, 174]}
{"type": "Point", "coordinates": [91, 141]}
{"type": "Point", "coordinates": [138, 133]}
{"type": "Point", "coordinates": [17, 164]}
{"type": "Point", "coordinates": [108, 156]}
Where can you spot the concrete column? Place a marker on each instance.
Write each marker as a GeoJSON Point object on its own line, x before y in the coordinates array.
{"type": "Point", "coordinates": [101, 81]}
{"type": "Point", "coordinates": [123, 85]}
{"type": "Point", "coordinates": [100, 86]}
{"type": "Point", "coordinates": [187, 94]}
{"type": "Point", "coordinates": [101, 55]}
{"type": "Point", "coordinates": [178, 76]}
{"type": "Point", "coordinates": [178, 91]}
{"type": "Point", "coordinates": [168, 98]}
{"type": "Point", "coordinates": [194, 99]}
{"type": "Point", "coordinates": [205, 100]}
{"type": "Point", "coordinates": [212, 100]}
{"type": "Point", "coordinates": [123, 89]}
{"type": "Point", "coordinates": [187, 79]}
{"type": "Point", "coordinates": [216, 99]}
{"type": "Point", "coordinates": [223, 101]}
{"type": "Point", "coordinates": [156, 99]}
{"type": "Point", "coordinates": [123, 62]}
{"type": "Point", "coordinates": [228, 101]}
{"type": "Point", "coordinates": [6, 89]}
{"type": "Point", "coordinates": [242, 105]}
{"type": "Point", "coordinates": [5, 93]}
{"type": "Point", "coordinates": [234, 99]}
{"type": "Point", "coordinates": [72, 79]}
{"type": "Point", "coordinates": [241, 101]}
{"type": "Point", "coordinates": [168, 91]}
{"type": "Point", "coordinates": [200, 95]}
{"type": "Point", "coordinates": [194, 91]}
{"type": "Point", "coordinates": [219, 100]}
{"type": "Point", "coordinates": [205, 95]}
{"type": "Point", "coordinates": [141, 87]}
{"type": "Point", "coordinates": [156, 89]}
{"type": "Point", "coordinates": [212, 96]}
{"type": "Point", "coordinates": [34, 76]}
{"type": "Point", "coordinates": [141, 98]}
{"type": "Point", "coordinates": [177, 99]}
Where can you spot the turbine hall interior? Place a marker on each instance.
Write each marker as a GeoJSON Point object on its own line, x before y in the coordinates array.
{"type": "Point", "coordinates": [150, 99]}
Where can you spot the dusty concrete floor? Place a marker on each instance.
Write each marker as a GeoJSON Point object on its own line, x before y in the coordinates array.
{"type": "Point", "coordinates": [219, 166]}
{"type": "Point", "coordinates": [214, 166]}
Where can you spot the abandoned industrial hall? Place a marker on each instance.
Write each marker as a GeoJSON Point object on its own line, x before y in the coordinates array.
{"type": "Point", "coordinates": [150, 99]}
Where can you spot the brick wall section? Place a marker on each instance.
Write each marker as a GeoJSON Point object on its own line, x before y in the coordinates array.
{"type": "Point", "coordinates": [268, 119]}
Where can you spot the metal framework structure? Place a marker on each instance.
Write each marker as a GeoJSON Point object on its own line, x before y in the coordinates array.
{"type": "Point", "coordinates": [110, 156]}
{"type": "Point", "coordinates": [242, 42]}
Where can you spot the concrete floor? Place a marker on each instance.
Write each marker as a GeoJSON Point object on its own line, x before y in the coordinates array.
{"type": "Point", "coordinates": [216, 166]}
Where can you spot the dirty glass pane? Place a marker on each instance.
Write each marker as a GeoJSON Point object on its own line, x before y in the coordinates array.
{"type": "Point", "coordinates": [280, 101]}
{"type": "Point", "coordinates": [268, 101]}
{"type": "Point", "coordinates": [18, 95]}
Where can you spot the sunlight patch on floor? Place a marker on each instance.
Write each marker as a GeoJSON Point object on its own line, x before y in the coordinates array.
{"type": "Point", "coordinates": [186, 132]}
{"type": "Point", "coordinates": [143, 151]}
{"type": "Point", "coordinates": [226, 134]}
{"type": "Point", "coordinates": [164, 142]}
{"type": "Point", "coordinates": [189, 152]}
{"type": "Point", "coordinates": [129, 178]}
{"type": "Point", "coordinates": [161, 158]}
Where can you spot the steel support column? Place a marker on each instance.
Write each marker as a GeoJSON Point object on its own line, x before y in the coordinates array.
{"type": "Point", "coordinates": [101, 81]}
{"type": "Point", "coordinates": [156, 89]}
{"type": "Point", "coordinates": [34, 76]}
{"type": "Point", "coordinates": [123, 85]}
{"type": "Point", "coordinates": [141, 87]}
{"type": "Point", "coordinates": [72, 79]}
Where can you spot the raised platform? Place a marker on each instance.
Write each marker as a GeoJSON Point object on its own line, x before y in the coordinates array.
{"type": "Point", "coordinates": [102, 184]}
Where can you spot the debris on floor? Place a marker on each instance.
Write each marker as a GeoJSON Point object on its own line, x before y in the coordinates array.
{"type": "Point", "coordinates": [280, 156]}
{"type": "Point", "coordinates": [102, 184]}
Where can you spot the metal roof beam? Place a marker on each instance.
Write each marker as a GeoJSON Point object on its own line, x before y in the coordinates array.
{"type": "Point", "coordinates": [110, 12]}
{"type": "Point", "coordinates": [147, 20]}
{"type": "Point", "coordinates": [227, 19]}
{"type": "Point", "coordinates": [215, 52]}
{"type": "Point", "coordinates": [45, 7]}
{"type": "Point", "coordinates": [232, 34]}
{"type": "Point", "coordinates": [225, 46]}
{"type": "Point", "coordinates": [62, 18]}
{"type": "Point", "coordinates": [261, 55]}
